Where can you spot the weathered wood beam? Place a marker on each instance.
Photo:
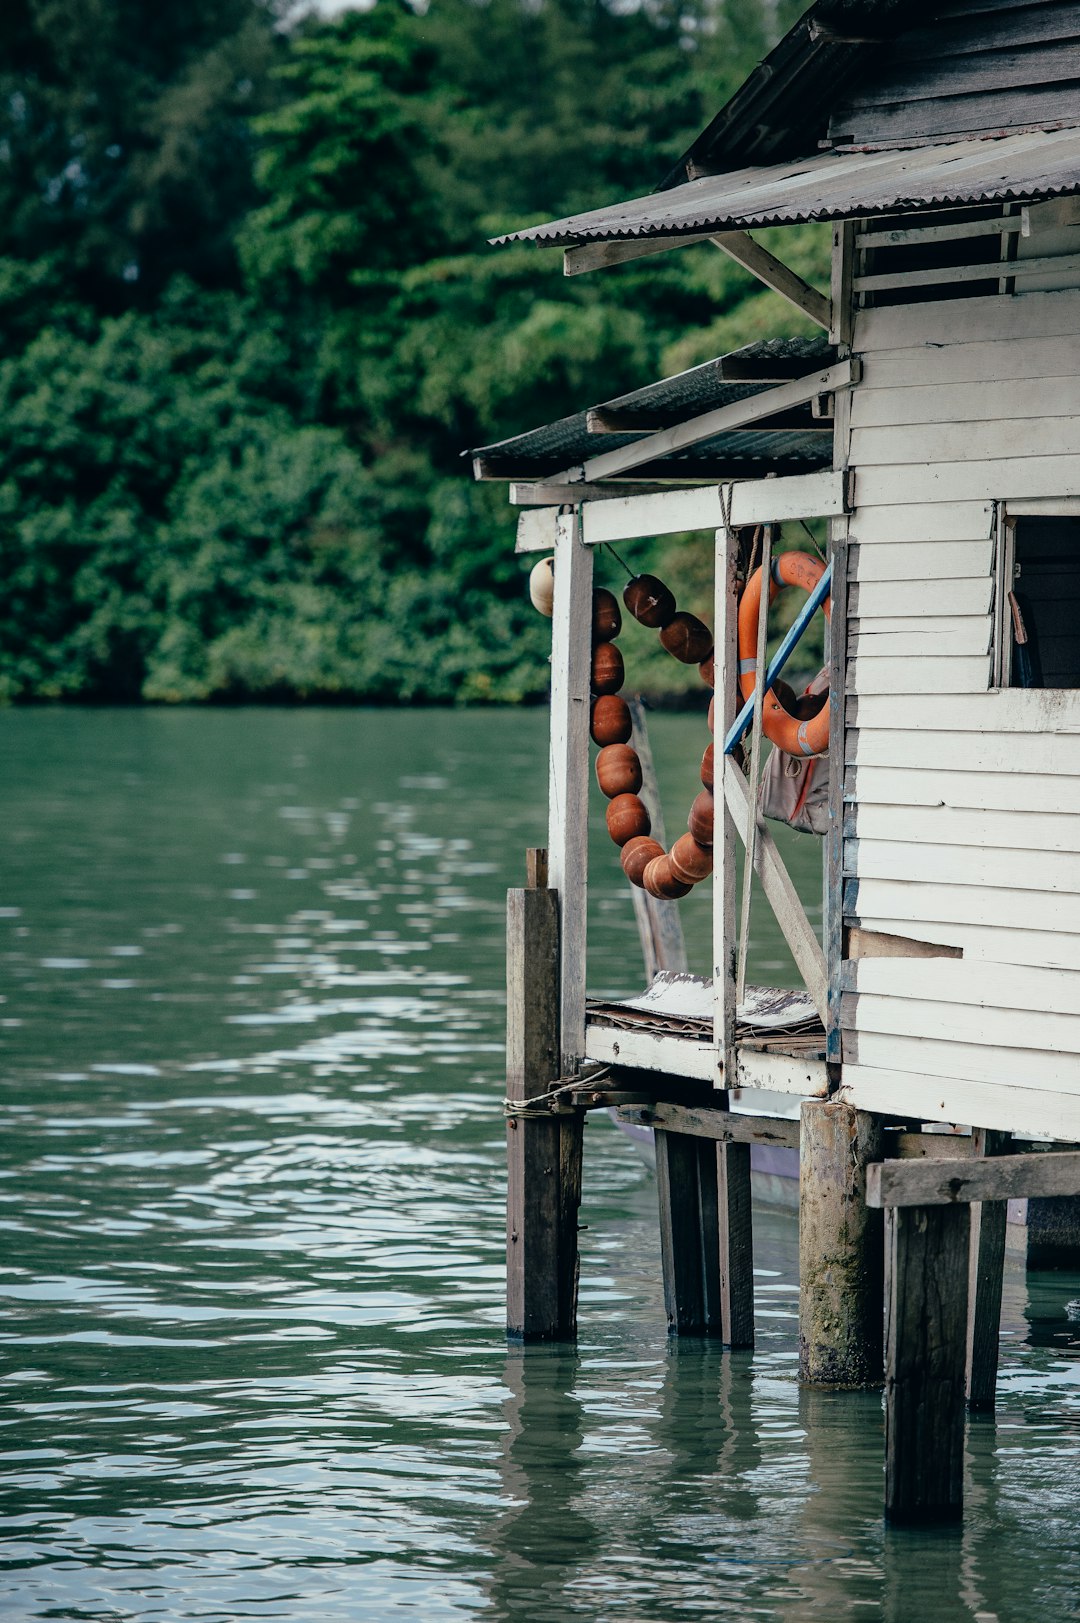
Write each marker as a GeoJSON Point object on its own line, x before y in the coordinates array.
{"type": "Point", "coordinates": [601, 420]}
{"type": "Point", "coordinates": [946, 1183]}
{"type": "Point", "coordinates": [740, 246]}
{"type": "Point", "coordinates": [782, 896]}
{"type": "Point", "coordinates": [710, 1121]}
{"type": "Point", "coordinates": [736, 1244]}
{"type": "Point", "coordinates": [590, 256]}
{"type": "Point", "coordinates": [756, 408]}
{"type": "Point", "coordinates": [986, 1267]}
{"type": "Point", "coordinates": [541, 494]}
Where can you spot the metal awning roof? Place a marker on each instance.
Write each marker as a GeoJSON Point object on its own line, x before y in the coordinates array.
{"type": "Point", "coordinates": [795, 444]}
{"type": "Point", "coordinates": [838, 186]}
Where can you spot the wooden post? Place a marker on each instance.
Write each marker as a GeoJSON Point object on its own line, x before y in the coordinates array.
{"type": "Point", "coordinates": [725, 655]}
{"type": "Point", "coordinates": [689, 1242]}
{"type": "Point", "coordinates": [986, 1266]}
{"type": "Point", "coordinates": [840, 1248]}
{"type": "Point", "coordinates": [736, 1245]}
{"type": "Point", "coordinates": [924, 1384]}
{"type": "Point", "coordinates": [544, 1151]}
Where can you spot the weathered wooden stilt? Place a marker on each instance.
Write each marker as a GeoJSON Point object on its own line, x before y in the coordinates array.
{"type": "Point", "coordinates": [736, 1245]}
{"type": "Point", "coordinates": [986, 1266]}
{"type": "Point", "coordinates": [686, 1183]}
{"type": "Point", "coordinates": [840, 1248]}
{"type": "Point", "coordinates": [543, 1151]}
{"type": "Point", "coordinates": [1053, 1232]}
{"type": "Point", "coordinates": [924, 1381]}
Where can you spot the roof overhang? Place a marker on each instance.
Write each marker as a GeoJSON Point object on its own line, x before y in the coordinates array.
{"type": "Point", "coordinates": [1025, 167]}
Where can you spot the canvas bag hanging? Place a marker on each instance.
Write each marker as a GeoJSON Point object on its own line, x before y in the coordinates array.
{"type": "Point", "coordinates": [795, 790]}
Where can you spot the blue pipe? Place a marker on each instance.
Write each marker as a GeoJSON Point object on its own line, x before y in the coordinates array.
{"type": "Point", "coordinates": [780, 658]}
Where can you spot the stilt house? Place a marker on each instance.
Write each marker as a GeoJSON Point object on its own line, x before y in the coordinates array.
{"type": "Point", "coordinates": [935, 425]}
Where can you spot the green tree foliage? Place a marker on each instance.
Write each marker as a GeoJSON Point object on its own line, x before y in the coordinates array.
{"type": "Point", "coordinates": [249, 322]}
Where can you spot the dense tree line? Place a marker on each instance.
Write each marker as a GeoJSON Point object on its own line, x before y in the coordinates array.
{"type": "Point", "coordinates": [249, 322]}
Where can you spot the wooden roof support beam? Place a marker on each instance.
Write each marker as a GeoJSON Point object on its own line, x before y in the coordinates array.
{"type": "Point", "coordinates": [739, 245]}
{"type": "Point", "coordinates": [946, 1183]}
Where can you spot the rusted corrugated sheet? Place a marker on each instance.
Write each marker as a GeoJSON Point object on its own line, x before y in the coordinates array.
{"type": "Point", "coordinates": [838, 186]}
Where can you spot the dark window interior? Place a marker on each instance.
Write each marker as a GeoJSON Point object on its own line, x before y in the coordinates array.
{"type": "Point", "coordinates": [1046, 585]}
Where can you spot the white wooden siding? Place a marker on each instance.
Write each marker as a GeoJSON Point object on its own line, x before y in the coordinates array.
{"type": "Point", "coordinates": [962, 806]}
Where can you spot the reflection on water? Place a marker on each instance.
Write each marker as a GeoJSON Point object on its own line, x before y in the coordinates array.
{"type": "Point", "coordinates": [252, 1353]}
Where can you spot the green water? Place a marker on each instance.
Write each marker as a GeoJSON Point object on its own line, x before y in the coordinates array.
{"type": "Point", "coordinates": [251, 1350]}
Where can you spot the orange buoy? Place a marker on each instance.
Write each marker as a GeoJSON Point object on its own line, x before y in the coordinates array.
{"type": "Point", "coordinates": [608, 673]}
{"type": "Point", "coordinates": [649, 601]}
{"type": "Point", "coordinates": [700, 820]}
{"type": "Point", "coordinates": [618, 770]}
{"type": "Point", "coordinates": [707, 671]}
{"type": "Point", "coordinates": [690, 862]}
{"type": "Point", "coordinates": [611, 722]}
{"type": "Point", "coordinates": [707, 766]}
{"type": "Point", "coordinates": [627, 817]}
{"type": "Point", "coordinates": [789, 733]}
{"type": "Point", "coordinates": [659, 880]}
{"type": "Point", "coordinates": [687, 638]}
{"type": "Point", "coordinates": [636, 856]}
{"type": "Point", "coordinates": [606, 616]}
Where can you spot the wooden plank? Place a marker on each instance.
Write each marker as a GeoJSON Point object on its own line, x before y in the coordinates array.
{"type": "Point", "coordinates": [689, 1241]}
{"type": "Point", "coordinates": [933, 443]}
{"type": "Point", "coordinates": [558, 493]}
{"type": "Point", "coordinates": [649, 1051]}
{"type": "Point", "coordinates": [590, 256]}
{"type": "Point", "coordinates": [972, 1023]}
{"type": "Point", "coordinates": [732, 1163]}
{"type": "Point", "coordinates": [725, 656]}
{"type": "Point", "coordinates": [781, 1073]}
{"type": "Point", "coordinates": [955, 638]}
{"type": "Point", "coordinates": [758, 408]}
{"type": "Point", "coordinates": [1024, 1069]}
{"type": "Point", "coordinates": [862, 943]}
{"type": "Point", "coordinates": [537, 530]}
{"type": "Point", "coordinates": [781, 893]}
{"type": "Point", "coordinates": [740, 246]}
{"type": "Point", "coordinates": [543, 1155]}
{"type": "Point", "coordinates": [951, 825]}
{"type": "Point", "coordinates": [841, 271]}
{"type": "Point", "coordinates": [924, 1374]}
{"type": "Point", "coordinates": [1013, 710]}
{"type": "Point", "coordinates": [947, 275]}
{"type": "Point", "coordinates": [987, 943]}
{"type": "Point", "coordinates": [568, 774]}
{"type": "Point", "coordinates": [840, 1248]}
{"type": "Point", "coordinates": [956, 231]}
{"type": "Point", "coordinates": [966, 904]}
{"type": "Point", "coordinates": [946, 1183]}
{"type": "Point", "coordinates": [935, 76]}
{"type": "Point", "coordinates": [959, 321]}
{"type": "Point", "coordinates": [1016, 868]}
{"type": "Point", "coordinates": [712, 1122]}
{"type": "Point", "coordinates": [927, 601]}
{"type": "Point", "coordinates": [994, 986]}
{"type": "Point", "coordinates": [970, 787]}
{"type": "Point", "coordinates": [871, 625]}
{"type": "Point", "coordinates": [754, 501]}
{"type": "Point", "coordinates": [769, 535]}
{"type": "Point", "coordinates": [868, 674]}
{"type": "Point", "coordinates": [839, 553]}
{"type": "Point", "coordinates": [659, 922]}
{"type": "Point", "coordinates": [986, 1264]}
{"type": "Point", "coordinates": [933, 1098]}
{"type": "Point", "coordinates": [983, 360]}
{"type": "Point", "coordinates": [1022, 477]}
{"type": "Point", "coordinates": [1056, 754]}
{"type": "Point", "coordinates": [902, 123]}
{"type": "Point", "coordinates": [1057, 395]}
{"type": "Point", "coordinates": [937, 524]}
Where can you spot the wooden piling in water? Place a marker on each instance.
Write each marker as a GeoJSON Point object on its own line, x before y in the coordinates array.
{"type": "Point", "coordinates": [736, 1245]}
{"type": "Point", "coordinates": [986, 1269]}
{"type": "Point", "coordinates": [544, 1151]}
{"type": "Point", "coordinates": [686, 1186]}
{"type": "Point", "coordinates": [841, 1249]}
{"type": "Point", "coordinates": [925, 1358]}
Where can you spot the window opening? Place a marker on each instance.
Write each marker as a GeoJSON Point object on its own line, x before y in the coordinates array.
{"type": "Point", "coordinates": [1037, 609]}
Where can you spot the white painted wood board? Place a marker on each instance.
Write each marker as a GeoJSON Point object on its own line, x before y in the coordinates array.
{"type": "Point", "coordinates": [999, 987]}
{"type": "Point", "coordinates": [894, 563]}
{"type": "Point", "coordinates": [1016, 868]}
{"type": "Point", "coordinates": [701, 1062]}
{"type": "Point", "coordinates": [928, 599]}
{"type": "Point", "coordinates": [956, 637]}
{"type": "Point", "coordinates": [906, 786]}
{"type": "Point", "coordinates": [753, 501]}
{"type": "Point", "coordinates": [972, 1062]}
{"type": "Point", "coordinates": [949, 825]}
{"type": "Point", "coordinates": [932, 674]}
{"type": "Point", "coordinates": [940, 442]}
{"type": "Point", "coordinates": [1003, 710]}
{"type": "Point", "coordinates": [1035, 396]}
{"type": "Point", "coordinates": [934, 523]}
{"type": "Point", "coordinates": [958, 321]}
{"type": "Point", "coordinates": [537, 529]}
{"type": "Point", "coordinates": [982, 360]}
{"type": "Point", "coordinates": [1000, 1030]}
{"type": "Point", "coordinates": [568, 773]}
{"type": "Point", "coordinates": [980, 1104]}
{"type": "Point", "coordinates": [1055, 754]}
{"type": "Point", "coordinates": [913, 902]}
{"type": "Point", "coordinates": [988, 943]}
{"type": "Point", "coordinates": [968, 480]}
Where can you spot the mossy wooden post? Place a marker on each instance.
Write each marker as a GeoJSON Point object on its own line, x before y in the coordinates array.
{"type": "Point", "coordinates": [686, 1186]}
{"type": "Point", "coordinates": [841, 1250]}
{"type": "Point", "coordinates": [543, 1151]}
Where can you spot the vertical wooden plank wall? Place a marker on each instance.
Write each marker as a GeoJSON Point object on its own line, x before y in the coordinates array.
{"type": "Point", "coordinates": [962, 826]}
{"type": "Point", "coordinates": [568, 781]}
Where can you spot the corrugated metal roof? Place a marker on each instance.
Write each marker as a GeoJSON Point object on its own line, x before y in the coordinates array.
{"type": "Point", "coordinates": [794, 447]}
{"type": "Point", "coordinates": [838, 186]}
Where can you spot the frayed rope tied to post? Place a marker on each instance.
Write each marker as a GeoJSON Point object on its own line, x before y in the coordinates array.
{"type": "Point", "coordinates": [551, 1102]}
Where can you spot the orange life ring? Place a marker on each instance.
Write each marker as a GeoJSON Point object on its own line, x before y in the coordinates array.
{"type": "Point", "coordinates": [787, 732]}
